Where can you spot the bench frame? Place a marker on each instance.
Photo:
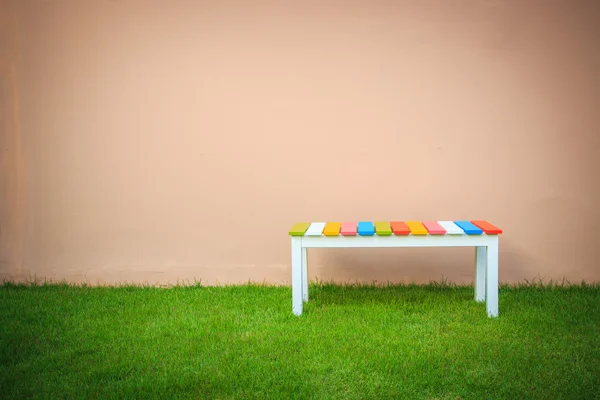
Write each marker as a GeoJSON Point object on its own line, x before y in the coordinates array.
{"type": "Point", "coordinates": [486, 259]}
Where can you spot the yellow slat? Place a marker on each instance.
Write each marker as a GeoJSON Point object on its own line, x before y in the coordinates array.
{"type": "Point", "coordinates": [417, 228]}
{"type": "Point", "coordinates": [332, 228]}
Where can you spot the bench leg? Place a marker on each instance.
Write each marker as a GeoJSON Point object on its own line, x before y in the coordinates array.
{"type": "Point", "coordinates": [480, 267]}
{"type": "Point", "coordinates": [491, 290]}
{"type": "Point", "coordinates": [304, 275]}
{"type": "Point", "coordinates": [297, 275]}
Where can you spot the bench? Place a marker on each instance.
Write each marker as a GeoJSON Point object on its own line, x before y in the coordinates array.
{"type": "Point", "coordinates": [479, 234]}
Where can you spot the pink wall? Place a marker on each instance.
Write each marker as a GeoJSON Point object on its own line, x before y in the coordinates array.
{"type": "Point", "coordinates": [155, 141]}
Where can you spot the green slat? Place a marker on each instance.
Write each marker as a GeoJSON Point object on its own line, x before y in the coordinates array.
{"type": "Point", "coordinates": [383, 228]}
{"type": "Point", "coordinates": [299, 229]}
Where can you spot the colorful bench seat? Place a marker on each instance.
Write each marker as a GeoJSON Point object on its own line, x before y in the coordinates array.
{"type": "Point", "coordinates": [475, 233]}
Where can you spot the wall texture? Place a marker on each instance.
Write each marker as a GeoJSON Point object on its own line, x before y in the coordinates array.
{"type": "Point", "coordinates": [155, 141]}
{"type": "Point", "coordinates": [12, 178]}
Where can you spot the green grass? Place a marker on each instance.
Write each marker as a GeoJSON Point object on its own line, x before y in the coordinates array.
{"type": "Point", "coordinates": [397, 341]}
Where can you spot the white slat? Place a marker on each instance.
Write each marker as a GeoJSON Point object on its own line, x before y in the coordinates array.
{"type": "Point", "coordinates": [315, 229]}
{"type": "Point", "coordinates": [451, 228]}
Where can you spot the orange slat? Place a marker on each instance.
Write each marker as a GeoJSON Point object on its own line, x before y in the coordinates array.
{"type": "Point", "coordinates": [488, 228]}
{"type": "Point", "coordinates": [399, 228]}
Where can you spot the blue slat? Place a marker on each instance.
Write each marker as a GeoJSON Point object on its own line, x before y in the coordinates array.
{"type": "Point", "coordinates": [366, 228]}
{"type": "Point", "coordinates": [468, 227]}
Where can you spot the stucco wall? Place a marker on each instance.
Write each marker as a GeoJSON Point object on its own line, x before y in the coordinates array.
{"type": "Point", "coordinates": [155, 141]}
{"type": "Point", "coordinates": [12, 173]}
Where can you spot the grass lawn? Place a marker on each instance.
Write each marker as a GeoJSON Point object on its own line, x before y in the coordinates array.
{"type": "Point", "coordinates": [398, 341]}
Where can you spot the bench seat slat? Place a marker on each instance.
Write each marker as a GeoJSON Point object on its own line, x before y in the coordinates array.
{"type": "Point", "coordinates": [382, 228]}
{"type": "Point", "coordinates": [299, 228]}
{"type": "Point", "coordinates": [451, 228]}
{"type": "Point", "coordinates": [315, 229]}
{"type": "Point", "coordinates": [399, 228]}
{"type": "Point", "coordinates": [468, 227]}
{"type": "Point", "coordinates": [366, 228]}
{"type": "Point", "coordinates": [434, 228]}
{"type": "Point", "coordinates": [488, 228]}
{"type": "Point", "coordinates": [348, 229]}
{"type": "Point", "coordinates": [332, 229]}
{"type": "Point", "coordinates": [416, 228]}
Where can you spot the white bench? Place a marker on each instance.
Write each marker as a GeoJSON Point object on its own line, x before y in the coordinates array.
{"type": "Point", "coordinates": [479, 234]}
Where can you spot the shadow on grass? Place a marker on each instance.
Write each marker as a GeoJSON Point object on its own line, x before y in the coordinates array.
{"type": "Point", "coordinates": [392, 295]}
{"type": "Point", "coordinates": [535, 295]}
